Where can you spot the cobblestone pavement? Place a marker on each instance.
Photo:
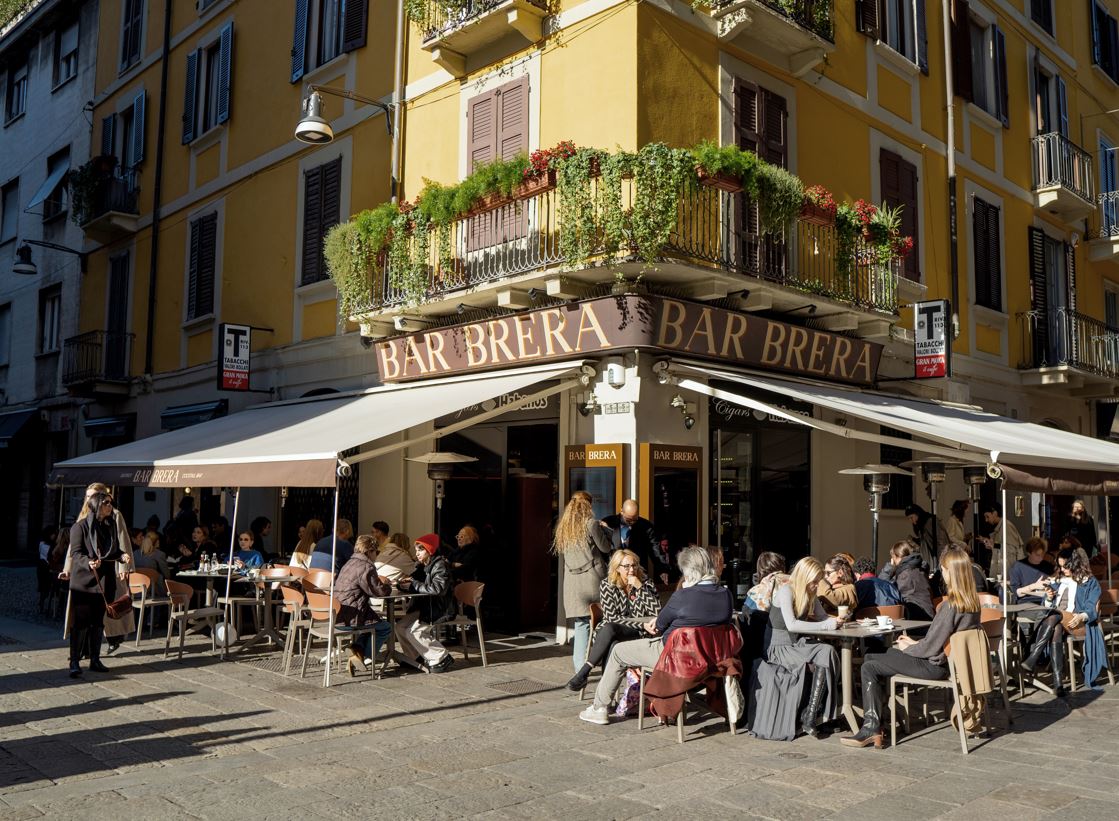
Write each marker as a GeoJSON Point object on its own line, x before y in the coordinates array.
{"type": "Point", "coordinates": [203, 738]}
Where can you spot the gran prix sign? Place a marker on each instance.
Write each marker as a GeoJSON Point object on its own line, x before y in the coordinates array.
{"type": "Point", "coordinates": [233, 362]}
{"type": "Point", "coordinates": [932, 347]}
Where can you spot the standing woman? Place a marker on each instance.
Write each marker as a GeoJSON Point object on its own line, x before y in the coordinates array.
{"type": "Point", "coordinates": [1082, 527]}
{"type": "Point", "coordinates": [924, 658]}
{"type": "Point", "coordinates": [95, 549]}
{"type": "Point", "coordinates": [955, 523]}
{"type": "Point", "coordinates": [796, 606]}
{"type": "Point", "coordinates": [583, 543]}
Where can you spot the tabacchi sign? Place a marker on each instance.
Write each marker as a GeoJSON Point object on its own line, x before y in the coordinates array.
{"type": "Point", "coordinates": [233, 366]}
{"type": "Point", "coordinates": [627, 322]}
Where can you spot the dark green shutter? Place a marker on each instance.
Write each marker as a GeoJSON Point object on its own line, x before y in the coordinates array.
{"type": "Point", "coordinates": [1002, 90]}
{"type": "Point", "coordinates": [1039, 296]}
{"type": "Point", "coordinates": [867, 17]}
{"type": "Point", "coordinates": [922, 36]}
{"type": "Point", "coordinates": [225, 71]}
{"type": "Point", "coordinates": [108, 135]}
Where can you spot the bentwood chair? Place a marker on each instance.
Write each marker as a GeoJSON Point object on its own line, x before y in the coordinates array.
{"type": "Point", "coordinates": [143, 582]}
{"type": "Point", "coordinates": [469, 594]}
{"type": "Point", "coordinates": [180, 595]}
{"type": "Point", "coordinates": [317, 581]}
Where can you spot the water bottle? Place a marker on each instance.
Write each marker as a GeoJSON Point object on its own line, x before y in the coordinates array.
{"type": "Point", "coordinates": [203, 563]}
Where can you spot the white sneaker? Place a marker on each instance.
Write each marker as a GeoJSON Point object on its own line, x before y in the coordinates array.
{"type": "Point", "coordinates": [595, 715]}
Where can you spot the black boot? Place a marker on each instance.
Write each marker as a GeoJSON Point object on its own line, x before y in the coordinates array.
{"type": "Point", "coordinates": [95, 664]}
{"type": "Point", "coordinates": [1041, 642]}
{"type": "Point", "coordinates": [79, 642]}
{"type": "Point", "coordinates": [810, 715]}
{"type": "Point", "coordinates": [1057, 665]}
{"type": "Point", "coordinates": [871, 731]}
{"type": "Point", "coordinates": [579, 680]}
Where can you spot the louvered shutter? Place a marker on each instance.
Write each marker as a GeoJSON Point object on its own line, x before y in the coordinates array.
{"type": "Point", "coordinates": [775, 131]}
{"type": "Point", "coordinates": [979, 252]}
{"type": "Point", "coordinates": [512, 139]}
{"type": "Point", "coordinates": [331, 198]}
{"type": "Point", "coordinates": [961, 49]}
{"type": "Point", "coordinates": [921, 24]}
{"type": "Point", "coordinates": [138, 125]}
{"type": "Point", "coordinates": [1112, 50]}
{"type": "Point", "coordinates": [1039, 296]}
{"type": "Point", "coordinates": [109, 135]}
{"type": "Point", "coordinates": [194, 265]}
{"type": "Point", "coordinates": [1094, 23]}
{"type": "Point", "coordinates": [1062, 106]}
{"type": "Point", "coordinates": [1002, 89]}
{"type": "Point", "coordinates": [190, 97]}
{"type": "Point", "coordinates": [299, 40]}
{"type": "Point", "coordinates": [482, 131]}
{"type": "Point", "coordinates": [207, 265]}
{"type": "Point", "coordinates": [225, 72]}
{"type": "Point", "coordinates": [746, 127]}
{"type": "Point", "coordinates": [355, 20]}
{"type": "Point", "coordinates": [867, 16]}
{"type": "Point", "coordinates": [115, 353]}
{"type": "Point", "coordinates": [899, 188]}
{"type": "Point", "coordinates": [312, 226]}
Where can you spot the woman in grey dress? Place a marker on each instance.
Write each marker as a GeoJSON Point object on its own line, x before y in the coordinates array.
{"type": "Point", "coordinates": [583, 544]}
{"type": "Point", "coordinates": [795, 606]}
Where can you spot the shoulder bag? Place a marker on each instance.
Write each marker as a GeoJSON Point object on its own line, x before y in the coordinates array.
{"type": "Point", "coordinates": [118, 607]}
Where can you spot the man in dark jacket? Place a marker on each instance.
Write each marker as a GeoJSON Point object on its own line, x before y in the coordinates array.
{"type": "Point", "coordinates": [631, 531]}
{"type": "Point", "coordinates": [416, 631]}
{"type": "Point", "coordinates": [871, 590]}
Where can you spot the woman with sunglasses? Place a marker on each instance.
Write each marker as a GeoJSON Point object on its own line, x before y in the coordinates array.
{"type": "Point", "coordinates": [95, 549]}
{"type": "Point", "coordinates": [624, 594]}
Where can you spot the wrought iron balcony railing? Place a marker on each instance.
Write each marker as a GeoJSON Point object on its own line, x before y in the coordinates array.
{"type": "Point", "coordinates": [1066, 337]}
{"type": "Point", "coordinates": [712, 231]}
{"type": "Point", "coordinates": [814, 15]}
{"type": "Point", "coordinates": [443, 17]}
{"type": "Point", "coordinates": [1060, 162]}
{"type": "Point", "coordinates": [1109, 215]}
{"type": "Point", "coordinates": [96, 356]}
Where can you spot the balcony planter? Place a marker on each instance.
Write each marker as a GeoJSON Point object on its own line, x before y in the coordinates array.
{"type": "Point", "coordinates": [536, 185]}
{"type": "Point", "coordinates": [720, 180]}
{"type": "Point", "coordinates": [817, 215]}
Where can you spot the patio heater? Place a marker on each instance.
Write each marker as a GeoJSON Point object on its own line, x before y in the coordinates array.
{"type": "Point", "coordinates": [975, 476]}
{"type": "Point", "coordinates": [876, 482]}
{"type": "Point", "coordinates": [440, 467]}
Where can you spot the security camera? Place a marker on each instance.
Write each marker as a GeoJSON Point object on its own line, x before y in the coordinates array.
{"type": "Point", "coordinates": [400, 323]}
{"type": "Point", "coordinates": [345, 470]}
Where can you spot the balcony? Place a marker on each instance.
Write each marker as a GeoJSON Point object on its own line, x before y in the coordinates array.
{"type": "Point", "coordinates": [512, 255]}
{"type": "Point", "coordinates": [453, 33]}
{"type": "Point", "coordinates": [1062, 177]}
{"type": "Point", "coordinates": [1065, 347]}
{"type": "Point", "coordinates": [794, 35]}
{"type": "Point", "coordinates": [112, 211]}
{"type": "Point", "coordinates": [97, 363]}
{"type": "Point", "coordinates": [1104, 243]}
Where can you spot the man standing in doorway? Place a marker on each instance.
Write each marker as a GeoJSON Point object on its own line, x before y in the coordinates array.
{"type": "Point", "coordinates": [992, 515]}
{"type": "Point", "coordinates": [631, 531]}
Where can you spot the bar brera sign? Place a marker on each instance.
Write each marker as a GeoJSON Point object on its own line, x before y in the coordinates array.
{"type": "Point", "coordinates": [623, 323]}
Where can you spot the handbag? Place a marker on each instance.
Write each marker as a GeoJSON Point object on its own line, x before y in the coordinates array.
{"type": "Point", "coordinates": [1075, 632]}
{"type": "Point", "coordinates": [118, 607]}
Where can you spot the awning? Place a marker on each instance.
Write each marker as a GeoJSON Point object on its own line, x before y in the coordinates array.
{"type": "Point", "coordinates": [105, 427]}
{"type": "Point", "coordinates": [293, 443]}
{"type": "Point", "coordinates": [1037, 454]}
{"type": "Point", "coordinates": [12, 423]}
{"type": "Point", "coordinates": [49, 184]}
{"type": "Point", "coordinates": [183, 416]}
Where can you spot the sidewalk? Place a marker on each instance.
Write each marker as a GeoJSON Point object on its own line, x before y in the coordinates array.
{"type": "Point", "coordinates": [204, 738]}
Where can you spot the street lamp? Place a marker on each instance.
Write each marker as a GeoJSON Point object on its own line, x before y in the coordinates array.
{"type": "Point", "coordinates": [25, 266]}
{"type": "Point", "coordinates": [876, 482]}
{"type": "Point", "coordinates": [440, 467]}
{"type": "Point", "coordinates": [313, 127]}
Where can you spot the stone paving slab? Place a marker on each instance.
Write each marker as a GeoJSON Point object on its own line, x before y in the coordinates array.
{"type": "Point", "coordinates": [204, 738]}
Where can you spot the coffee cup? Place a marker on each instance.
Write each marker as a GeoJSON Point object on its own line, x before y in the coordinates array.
{"type": "Point", "coordinates": [885, 621]}
{"type": "Point", "coordinates": [843, 611]}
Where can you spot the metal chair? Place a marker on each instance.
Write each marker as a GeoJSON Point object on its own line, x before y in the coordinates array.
{"type": "Point", "coordinates": [180, 595]}
{"type": "Point", "coordinates": [323, 626]}
{"type": "Point", "coordinates": [469, 594]}
{"type": "Point", "coordinates": [142, 581]}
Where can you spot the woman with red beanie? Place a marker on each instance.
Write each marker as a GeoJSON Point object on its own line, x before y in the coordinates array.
{"type": "Point", "coordinates": [415, 631]}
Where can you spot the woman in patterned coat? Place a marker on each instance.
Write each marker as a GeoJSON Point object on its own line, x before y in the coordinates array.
{"type": "Point", "coordinates": [624, 594]}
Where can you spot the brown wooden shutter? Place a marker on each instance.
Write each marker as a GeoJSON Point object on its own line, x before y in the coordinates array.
{"type": "Point", "coordinates": [867, 17]}
{"type": "Point", "coordinates": [746, 131]}
{"type": "Point", "coordinates": [481, 130]}
{"type": "Point", "coordinates": [312, 226]}
{"type": "Point", "coordinates": [961, 49]}
{"type": "Point", "coordinates": [899, 188]}
{"type": "Point", "coordinates": [746, 114]}
{"type": "Point", "coordinates": [203, 253]}
{"type": "Point", "coordinates": [355, 20]}
{"type": "Point", "coordinates": [774, 129]}
{"type": "Point", "coordinates": [512, 118]}
{"type": "Point", "coordinates": [1039, 295]}
{"type": "Point", "coordinates": [988, 268]}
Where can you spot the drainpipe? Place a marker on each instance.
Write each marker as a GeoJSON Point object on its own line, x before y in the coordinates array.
{"type": "Point", "coordinates": [953, 237]}
{"type": "Point", "coordinates": [397, 99]}
{"type": "Point", "coordinates": [157, 186]}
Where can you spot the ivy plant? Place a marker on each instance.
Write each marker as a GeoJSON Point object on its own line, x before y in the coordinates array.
{"type": "Point", "coordinates": [780, 196]}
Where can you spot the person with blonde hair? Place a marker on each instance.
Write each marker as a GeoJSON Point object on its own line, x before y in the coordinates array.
{"type": "Point", "coordinates": [625, 593]}
{"type": "Point", "coordinates": [152, 558]}
{"type": "Point", "coordinates": [583, 544]}
{"type": "Point", "coordinates": [395, 559]}
{"type": "Point", "coordinates": [463, 558]}
{"type": "Point", "coordinates": [312, 532]}
{"type": "Point", "coordinates": [796, 606]}
{"type": "Point", "coordinates": [924, 658]}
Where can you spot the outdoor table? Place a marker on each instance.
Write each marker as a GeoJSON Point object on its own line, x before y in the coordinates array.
{"type": "Point", "coordinates": [847, 636]}
{"type": "Point", "coordinates": [210, 576]}
{"type": "Point", "coordinates": [391, 599]}
{"type": "Point", "coordinates": [267, 631]}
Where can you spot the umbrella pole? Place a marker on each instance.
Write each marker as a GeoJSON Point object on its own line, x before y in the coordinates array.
{"type": "Point", "coordinates": [1003, 580]}
{"type": "Point", "coordinates": [1107, 543]}
{"type": "Point", "coordinates": [229, 572]}
{"type": "Point", "coordinates": [333, 559]}
{"type": "Point", "coordinates": [874, 536]}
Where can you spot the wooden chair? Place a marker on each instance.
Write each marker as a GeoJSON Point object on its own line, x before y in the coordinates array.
{"type": "Point", "coordinates": [469, 594]}
{"type": "Point", "coordinates": [318, 581]}
{"type": "Point", "coordinates": [142, 582]}
{"type": "Point", "coordinates": [323, 627]}
{"type": "Point", "coordinates": [596, 620]}
{"type": "Point", "coordinates": [180, 595]}
{"type": "Point", "coordinates": [894, 611]}
{"type": "Point", "coordinates": [952, 683]}
{"type": "Point", "coordinates": [992, 622]}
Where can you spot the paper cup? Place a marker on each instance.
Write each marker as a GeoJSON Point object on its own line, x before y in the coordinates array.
{"type": "Point", "coordinates": [844, 610]}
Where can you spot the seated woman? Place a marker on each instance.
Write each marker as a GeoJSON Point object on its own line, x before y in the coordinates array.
{"type": "Point", "coordinates": [356, 584]}
{"type": "Point", "coordinates": [312, 532]}
{"type": "Point", "coordinates": [625, 593]}
{"type": "Point", "coordinates": [463, 558]}
{"type": "Point", "coordinates": [191, 553]}
{"type": "Point", "coordinates": [1074, 599]}
{"type": "Point", "coordinates": [906, 571]}
{"type": "Point", "coordinates": [246, 556]}
{"type": "Point", "coordinates": [796, 606]}
{"type": "Point", "coordinates": [395, 560]}
{"type": "Point", "coordinates": [152, 558]}
{"type": "Point", "coordinates": [769, 575]}
{"type": "Point", "coordinates": [838, 586]}
{"type": "Point", "coordinates": [924, 658]}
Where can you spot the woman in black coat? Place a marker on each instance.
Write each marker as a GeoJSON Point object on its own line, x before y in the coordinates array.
{"type": "Point", "coordinates": [95, 550]}
{"type": "Point", "coordinates": [906, 570]}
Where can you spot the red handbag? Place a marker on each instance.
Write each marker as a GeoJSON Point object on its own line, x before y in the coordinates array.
{"type": "Point", "coordinates": [117, 608]}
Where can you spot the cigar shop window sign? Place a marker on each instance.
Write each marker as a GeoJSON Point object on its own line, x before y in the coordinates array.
{"type": "Point", "coordinates": [233, 361]}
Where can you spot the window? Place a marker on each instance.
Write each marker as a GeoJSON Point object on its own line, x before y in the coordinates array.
{"type": "Point", "coordinates": [207, 93]}
{"type": "Point", "coordinates": [900, 495]}
{"type": "Point", "coordinates": [122, 136]}
{"type": "Point", "coordinates": [1105, 40]}
{"type": "Point", "coordinates": [1052, 299]}
{"type": "Point", "coordinates": [1041, 12]}
{"type": "Point", "coordinates": [50, 319]}
{"type": "Point", "coordinates": [65, 53]}
{"type": "Point", "coordinates": [900, 24]}
{"type": "Point", "coordinates": [981, 67]}
{"type": "Point", "coordinates": [132, 28]}
{"type": "Point", "coordinates": [1109, 189]}
{"type": "Point", "coordinates": [9, 211]}
{"type": "Point", "coordinates": [17, 91]}
{"type": "Point", "coordinates": [1050, 103]}
{"type": "Point", "coordinates": [323, 30]}
{"type": "Point", "coordinates": [203, 259]}
{"type": "Point", "coordinates": [497, 128]}
{"type": "Point", "coordinates": [899, 189]}
{"type": "Point", "coordinates": [322, 205]}
{"type": "Point", "coordinates": [5, 333]}
{"type": "Point", "coordinates": [55, 203]}
{"type": "Point", "coordinates": [986, 231]}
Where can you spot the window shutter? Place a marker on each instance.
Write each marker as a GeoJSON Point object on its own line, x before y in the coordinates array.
{"type": "Point", "coordinates": [775, 129]}
{"type": "Point", "coordinates": [1094, 23]}
{"type": "Point", "coordinates": [994, 266]}
{"type": "Point", "coordinates": [138, 128]}
{"type": "Point", "coordinates": [312, 225]}
{"type": "Point", "coordinates": [1002, 90]}
{"type": "Point", "coordinates": [746, 114]}
{"type": "Point", "coordinates": [747, 117]}
{"type": "Point", "coordinates": [979, 252]}
{"type": "Point", "coordinates": [225, 72]}
{"type": "Point", "coordinates": [117, 317]}
{"type": "Point", "coordinates": [512, 138]}
{"type": "Point", "coordinates": [1062, 106]}
{"type": "Point", "coordinates": [331, 197]}
{"type": "Point", "coordinates": [899, 188]}
{"type": "Point", "coordinates": [922, 38]}
{"type": "Point", "coordinates": [1070, 274]}
{"type": "Point", "coordinates": [299, 40]}
{"type": "Point", "coordinates": [108, 135]}
{"type": "Point", "coordinates": [1039, 296]}
{"type": "Point", "coordinates": [190, 96]}
{"type": "Point", "coordinates": [867, 17]}
{"type": "Point", "coordinates": [195, 263]}
{"type": "Point", "coordinates": [961, 49]}
{"type": "Point", "coordinates": [1112, 50]}
{"type": "Point", "coordinates": [207, 264]}
{"type": "Point", "coordinates": [354, 23]}
{"type": "Point", "coordinates": [481, 129]}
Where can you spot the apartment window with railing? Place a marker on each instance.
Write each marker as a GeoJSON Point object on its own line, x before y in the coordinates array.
{"type": "Point", "coordinates": [16, 98]}
{"type": "Point", "coordinates": [50, 319]}
{"type": "Point", "coordinates": [1041, 12]}
{"type": "Point", "coordinates": [1105, 40]}
{"type": "Point", "coordinates": [131, 35]}
{"type": "Point", "coordinates": [65, 53]}
{"type": "Point", "coordinates": [325, 29]}
{"type": "Point", "coordinates": [1109, 189]}
{"type": "Point", "coordinates": [122, 136]}
{"type": "Point", "coordinates": [986, 238]}
{"type": "Point", "coordinates": [9, 211]}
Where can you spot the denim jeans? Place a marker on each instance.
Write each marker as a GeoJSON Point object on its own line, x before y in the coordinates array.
{"type": "Point", "coordinates": [363, 642]}
{"type": "Point", "coordinates": [580, 642]}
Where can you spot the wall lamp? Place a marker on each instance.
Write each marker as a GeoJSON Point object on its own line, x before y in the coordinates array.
{"type": "Point", "coordinates": [682, 405]}
{"type": "Point", "coordinates": [25, 266]}
{"type": "Point", "coordinates": [313, 127]}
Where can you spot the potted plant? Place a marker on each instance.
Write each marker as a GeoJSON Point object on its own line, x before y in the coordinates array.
{"type": "Point", "coordinates": [540, 175]}
{"type": "Point", "coordinates": [727, 168]}
{"type": "Point", "coordinates": [819, 206]}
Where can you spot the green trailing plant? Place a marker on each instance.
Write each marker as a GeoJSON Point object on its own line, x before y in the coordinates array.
{"type": "Point", "coordinates": [615, 219]}
{"type": "Point", "coordinates": [84, 183]}
{"type": "Point", "coordinates": [780, 196]}
{"type": "Point", "coordinates": [659, 176]}
{"type": "Point", "coordinates": [577, 212]}
{"type": "Point", "coordinates": [351, 250]}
